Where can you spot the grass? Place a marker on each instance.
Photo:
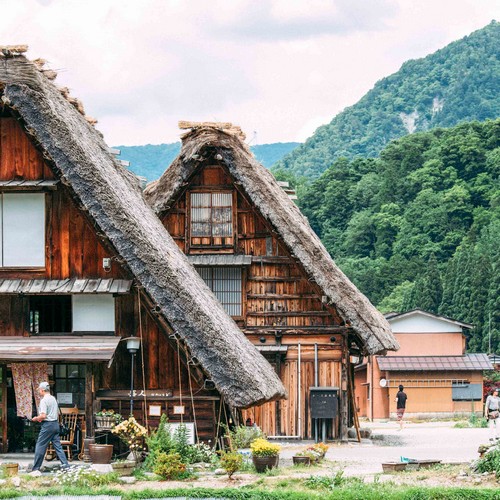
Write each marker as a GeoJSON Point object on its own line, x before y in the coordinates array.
{"type": "Point", "coordinates": [347, 492]}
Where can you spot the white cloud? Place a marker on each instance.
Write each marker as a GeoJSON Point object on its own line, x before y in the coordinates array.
{"type": "Point", "coordinates": [277, 67]}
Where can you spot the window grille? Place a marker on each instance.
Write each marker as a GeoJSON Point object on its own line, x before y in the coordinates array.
{"type": "Point", "coordinates": [225, 283]}
{"type": "Point", "coordinates": [212, 219]}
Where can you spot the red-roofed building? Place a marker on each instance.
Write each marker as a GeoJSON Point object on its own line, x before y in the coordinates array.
{"type": "Point", "coordinates": [440, 379]}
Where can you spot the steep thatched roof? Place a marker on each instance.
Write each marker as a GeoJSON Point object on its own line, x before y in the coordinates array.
{"type": "Point", "coordinates": [81, 157]}
{"type": "Point", "coordinates": [260, 186]}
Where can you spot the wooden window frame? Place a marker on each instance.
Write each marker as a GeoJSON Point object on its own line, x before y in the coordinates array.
{"type": "Point", "coordinates": [240, 316]}
{"type": "Point", "coordinates": [202, 248]}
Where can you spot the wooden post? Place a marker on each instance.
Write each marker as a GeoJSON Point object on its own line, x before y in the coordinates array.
{"type": "Point", "coordinates": [344, 404]}
{"type": "Point", "coordinates": [277, 403]}
{"type": "Point", "coordinates": [3, 402]}
{"type": "Point", "coordinates": [89, 400]}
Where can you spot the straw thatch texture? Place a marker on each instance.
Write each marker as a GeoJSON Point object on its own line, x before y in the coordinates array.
{"type": "Point", "coordinates": [261, 187]}
{"type": "Point", "coordinates": [77, 150]}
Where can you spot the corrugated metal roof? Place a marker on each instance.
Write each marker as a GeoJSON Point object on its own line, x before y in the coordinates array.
{"type": "Point", "coordinates": [48, 348]}
{"type": "Point", "coordinates": [468, 362]}
{"type": "Point", "coordinates": [40, 183]}
{"type": "Point", "coordinates": [220, 260]}
{"type": "Point", "coordinates": [45, 287]}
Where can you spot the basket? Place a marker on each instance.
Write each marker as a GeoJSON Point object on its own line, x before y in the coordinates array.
{"type": "Point", "coordinates": [105, 423]}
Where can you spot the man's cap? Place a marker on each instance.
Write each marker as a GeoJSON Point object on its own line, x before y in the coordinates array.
{"type": "Point", "coordinates": [44, 386]}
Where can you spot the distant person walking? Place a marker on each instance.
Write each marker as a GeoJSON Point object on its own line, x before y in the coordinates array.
{"type": "Point", "coordinates": [400, 400]}
{"type": "Point", "coordinates": [48, 414]}
{"type": "Point", "coordinates": [492, 413]}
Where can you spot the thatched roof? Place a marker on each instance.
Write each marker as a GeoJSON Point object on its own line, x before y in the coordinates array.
{"type": "Point", "coordinates": [260, 186]}
{"type": "Point", "coordinates": [109, 194]}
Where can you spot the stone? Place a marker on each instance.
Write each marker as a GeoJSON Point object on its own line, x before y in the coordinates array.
{"type": "Point", "coordinates": [16, 481]}
{"type": "Point", "coordinates": [2, 482]}
{"type": "Point", "coordinates": [127, 479]}
{"type": "Point", "coordinates": [366, 433]}
{"type": "Point", "coordinates": [150, 474]}
{"type": "Point", "coordinates": [102, 468]}
{"type": "Point", "coordinates": [219, 472]}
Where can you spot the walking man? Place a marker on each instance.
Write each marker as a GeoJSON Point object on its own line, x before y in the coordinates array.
{"type": "Point", "coordinates": [401, 398]}
{"type": "Point", "coordinates": [48, 415]}
{"type": "Point", "coordinates": [492, 413]}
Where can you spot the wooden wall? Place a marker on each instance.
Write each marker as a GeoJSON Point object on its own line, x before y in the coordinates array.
{"type": "Point", "coordinates": [277, 297]}
{"type": "Point", "coordinates": [75, 250]}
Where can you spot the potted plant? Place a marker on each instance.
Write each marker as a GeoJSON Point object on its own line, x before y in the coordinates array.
{"type": "Point", "coordinates": [132, 434]}
{"type": "Point", "coordinates": [265, 455]}
{"type": "Point", "coordinates": [123, 467]}
{"type": "Point", "coordinates": [301, 458]}
{"type": "Point", "coordinates": [105, 420]}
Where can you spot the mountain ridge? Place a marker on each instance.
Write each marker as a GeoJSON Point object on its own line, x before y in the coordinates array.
{"type": "Point", "coordinates": [457, 83]}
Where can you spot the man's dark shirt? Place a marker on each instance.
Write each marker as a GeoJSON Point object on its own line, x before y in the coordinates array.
{"type": "Point", "coordinates": [401, 397]}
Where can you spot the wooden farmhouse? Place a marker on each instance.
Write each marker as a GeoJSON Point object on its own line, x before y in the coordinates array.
{"type": "Point", "coordinates": [84, 264]}
{"type": "Point", "coordinates": [257, 252]}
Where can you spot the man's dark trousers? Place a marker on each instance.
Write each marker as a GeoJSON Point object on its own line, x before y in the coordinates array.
{"type": "Point", "coordinates": [49, 432]}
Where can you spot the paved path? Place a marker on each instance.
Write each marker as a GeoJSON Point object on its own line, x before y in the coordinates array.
{"type": "Point", "coordinates": [430, 440]}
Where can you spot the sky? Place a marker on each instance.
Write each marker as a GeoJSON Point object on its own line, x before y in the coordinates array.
{"type": "Point", "coordinates": [277, 68]}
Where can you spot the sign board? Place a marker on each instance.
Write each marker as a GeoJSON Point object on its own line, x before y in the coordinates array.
{"type": "Point", "coordinates": [189, 430]}
{"type": "Point", "coordinates": [155, 410]}
{"type": "Point", "coordinates": [179, 410]}
{"type": "Point", "coordinates": [139, 393]}
{"type": "Point", "coordinates": [324, 402]}
{"type": "Point", "coordinates": [65, 398]}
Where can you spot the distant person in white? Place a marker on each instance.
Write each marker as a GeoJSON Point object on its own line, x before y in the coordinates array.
{"type": "Point", "coordinates": [48, 416]}
{"type": "Point", "coordinates": [492, 413]}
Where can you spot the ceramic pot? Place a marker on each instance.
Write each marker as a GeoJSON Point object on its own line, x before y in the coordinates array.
{"type": "Point", "coordinates": [301, 461]}
{"type": "Point", "coordinates": [263, 463]}
{"type": "Point", "coordinates": [100, 453]}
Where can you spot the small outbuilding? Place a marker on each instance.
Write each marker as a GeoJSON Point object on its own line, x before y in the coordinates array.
{"type": "Point", "coordinates": [439, 377]}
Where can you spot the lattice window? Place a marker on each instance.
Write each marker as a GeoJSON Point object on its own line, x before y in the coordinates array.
{"type": "Point", "coordinates": [225, 283]}
{"type": "Point", "coordinates": [212, 219]}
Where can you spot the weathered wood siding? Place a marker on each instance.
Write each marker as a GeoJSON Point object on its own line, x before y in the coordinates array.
{"type": "Point", "coordinates": [74, 249]}
{"type": "Point", "coordinates": [277, 297]}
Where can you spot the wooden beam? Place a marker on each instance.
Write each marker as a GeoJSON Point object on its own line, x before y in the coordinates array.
{"type": "Point", "coordinates": [288, 313]}
{"type": "Point", "coordinates": [269, 296]}
{"type": "Point", "coordinates": [89, 400]}
{"type": "Point", "coordinates": [275, 279]}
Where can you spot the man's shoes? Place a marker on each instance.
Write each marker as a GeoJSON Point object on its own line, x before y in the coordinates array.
{"type": "Point", "coordinates": [35, 473]}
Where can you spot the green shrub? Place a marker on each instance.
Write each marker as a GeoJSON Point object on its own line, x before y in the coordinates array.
{"type": "Point", "coordinates": [490, 461]}
{"type": "Point", "coordinates": [326, 482]}
{"type": "Point", "coordinates": [180, 441]}
{"type": "Point", "coordinates": [160, 441]}
{"type": "Point", "coordinates": [169, 466]}
{"type": "Point", "coordinates": [242, 436]}
{"type": "Point", "coordinates": [202, 452]}
{"type": "Point", "coordinates": [231, 462]}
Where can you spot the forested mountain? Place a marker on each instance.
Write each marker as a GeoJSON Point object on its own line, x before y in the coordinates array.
{"type": "Point", "coordinates": [151, 160]}
{"type": "Point", "coordinates": [420, 225]}
{"type": "Point", "coordinates": [455, 84]}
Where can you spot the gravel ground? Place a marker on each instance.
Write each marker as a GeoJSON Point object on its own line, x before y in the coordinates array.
{"type": "Point", "coordinates": [428, 440]}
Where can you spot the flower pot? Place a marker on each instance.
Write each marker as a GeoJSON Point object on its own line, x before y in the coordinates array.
{"type": "Point", "coordinates": [11, 469]}
{"type": "Point", "coordinates": [394, 466]}
{"type": "Point", "coordinates": [105, 423]}
{"type": "Point", "coordinates": [123, 468]}
{"type": "Point", "coordinates": [301, 460]}
{"type": "Point", "coordinates": [263, 463]}
{"type": "Point", "coordinates": [101, 453]}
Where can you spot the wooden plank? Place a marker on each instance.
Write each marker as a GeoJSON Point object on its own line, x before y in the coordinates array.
{"type": "Point", "coordinates": [288, 313]}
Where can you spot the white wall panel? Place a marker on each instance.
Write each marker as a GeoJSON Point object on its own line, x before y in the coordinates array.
{"type": "Point", "coordinates": [23, 230]}
{"type": "Point", "coordinates": [93, 313]}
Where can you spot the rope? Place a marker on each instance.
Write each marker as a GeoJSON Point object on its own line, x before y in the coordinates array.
{"type": "Point", "coordinates": [218, 422]}
{"type": "Point", "coordinates": [145, 409]}
{"type": "Point", "coordinates": [192, 406]}
{"type": "Point", "coordinates": [180, 377]}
